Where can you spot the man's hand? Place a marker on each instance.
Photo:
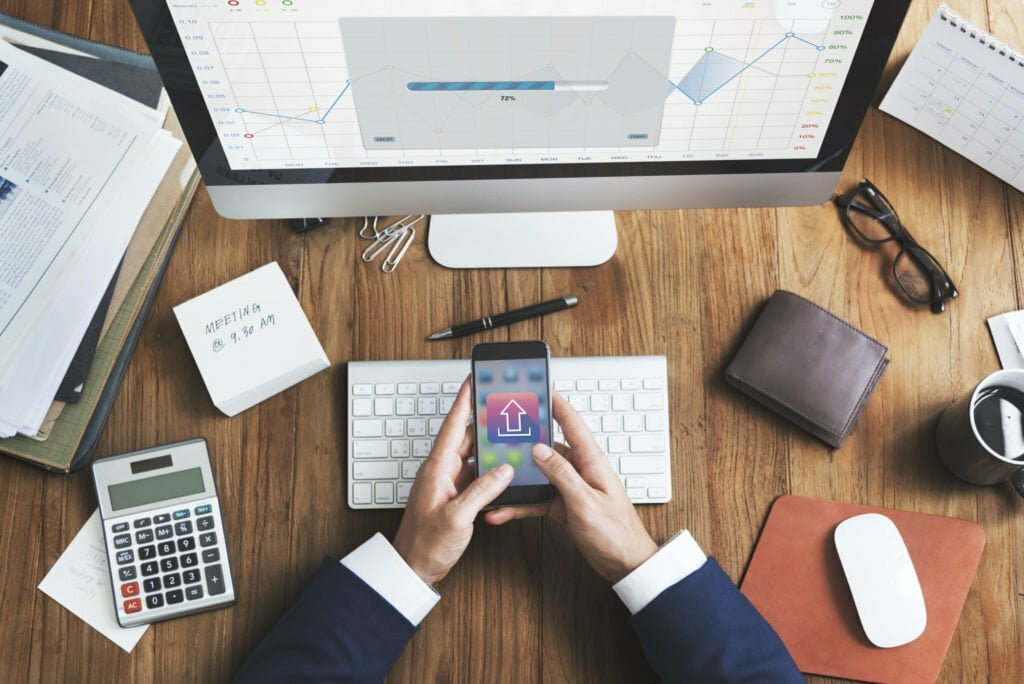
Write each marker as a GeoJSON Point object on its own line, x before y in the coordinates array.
{"type": "Point", "coordinates": [445, 499]}
{"type": "Point", "coordinates": [591, 501]}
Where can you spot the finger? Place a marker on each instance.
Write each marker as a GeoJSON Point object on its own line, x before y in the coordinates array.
{"type": "Point", "coordinates": [501, 516]}
{"type": "Point", "coordinates": [453, 429]}
{"type": "Point", "coordinates": [560, 472]}
{"type": "Point", "coordinates": [575, 430]}
{"type": "Point", "coordinates": [585, 453]}
{"type": "Point", "coordinates": [481, 492]}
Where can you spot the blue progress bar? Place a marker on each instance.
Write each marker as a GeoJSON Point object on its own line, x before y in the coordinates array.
{"type": "Point", "coordinates": [481, 86]}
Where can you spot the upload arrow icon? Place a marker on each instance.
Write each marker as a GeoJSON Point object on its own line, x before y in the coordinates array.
{"type": "Point", "coordinates": [513, 418]}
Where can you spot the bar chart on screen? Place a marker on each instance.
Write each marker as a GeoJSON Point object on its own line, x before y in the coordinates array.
{"type": "Point", "coordinates": [298, 86]}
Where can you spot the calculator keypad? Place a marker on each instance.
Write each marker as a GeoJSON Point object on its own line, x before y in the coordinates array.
{"type": "Point", "coordinates": [168, 560]}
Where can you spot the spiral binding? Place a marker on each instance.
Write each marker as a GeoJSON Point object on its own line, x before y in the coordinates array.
{"type": "Point", "coordinates": [965, 27]}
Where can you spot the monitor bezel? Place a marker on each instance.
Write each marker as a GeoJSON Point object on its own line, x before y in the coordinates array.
{"type": "Point", "coordinates": [161, 35]}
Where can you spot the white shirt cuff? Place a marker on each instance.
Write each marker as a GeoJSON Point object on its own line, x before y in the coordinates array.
{"type": "Point", "coordinates": [378, 564]}
{"type": "Point", "coordinates": [674, 562]}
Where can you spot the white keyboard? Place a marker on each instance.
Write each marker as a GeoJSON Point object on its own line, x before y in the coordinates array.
{"type": "Point", "coordinates": [396, 408]}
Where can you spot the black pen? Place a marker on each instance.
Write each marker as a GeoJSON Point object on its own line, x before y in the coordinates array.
{"type": "Point", "coordinates": [508, 318]}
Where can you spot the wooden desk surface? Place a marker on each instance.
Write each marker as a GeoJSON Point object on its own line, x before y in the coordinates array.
{"type": "Point", "coordinates": [522, 606]}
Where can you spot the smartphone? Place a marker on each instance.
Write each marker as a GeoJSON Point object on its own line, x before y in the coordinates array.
{"type": "Point", "coordinates": [512, 408]}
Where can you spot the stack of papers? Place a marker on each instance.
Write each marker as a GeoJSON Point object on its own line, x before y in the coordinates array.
{"type": "Point", "coordinates": [1008, 335]}
{"type": "Point", "coordinates": [79, 164]}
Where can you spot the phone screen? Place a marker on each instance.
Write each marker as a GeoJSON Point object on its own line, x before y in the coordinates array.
{"type": "Point", "coordinates": [513, 399]}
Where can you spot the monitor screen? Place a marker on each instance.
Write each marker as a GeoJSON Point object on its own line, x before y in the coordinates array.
{"type": "Point", "coordinates": [390, 84]}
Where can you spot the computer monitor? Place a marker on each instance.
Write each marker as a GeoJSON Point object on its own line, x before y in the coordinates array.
{"type": "Point", "coordinates": [298, 108]}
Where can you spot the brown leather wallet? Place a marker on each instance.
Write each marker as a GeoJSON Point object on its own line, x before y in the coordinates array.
{"type": "Point", "coordinates": [808, 366]}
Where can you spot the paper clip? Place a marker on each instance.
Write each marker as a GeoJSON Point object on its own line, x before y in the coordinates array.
{"type": "Point", "coordinates": [395, 239]}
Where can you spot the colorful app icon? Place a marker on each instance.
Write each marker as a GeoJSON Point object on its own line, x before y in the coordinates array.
{"type": "Point", "coordinates": [513, 418]}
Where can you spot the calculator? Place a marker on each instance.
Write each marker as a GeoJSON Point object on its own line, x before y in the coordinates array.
{"type": "Point", "coordinates": [164, 533]}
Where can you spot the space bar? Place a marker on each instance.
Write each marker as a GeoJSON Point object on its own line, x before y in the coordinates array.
{"type": "Point", "coordinates": [375, 470]}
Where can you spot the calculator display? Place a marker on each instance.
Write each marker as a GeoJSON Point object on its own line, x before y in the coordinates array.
{"type": "Point", "coordinates": [158, 488]}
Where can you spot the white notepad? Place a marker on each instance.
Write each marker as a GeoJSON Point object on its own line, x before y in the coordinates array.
{"type": "Point", "coordinates": [250, 339]}
{"type": "Point", "coordinates": [964, 88]}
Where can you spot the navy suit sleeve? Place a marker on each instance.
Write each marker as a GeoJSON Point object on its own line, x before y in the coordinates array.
{"type": "Point", "coordinates": [340, 630]}
{"type": "Point", "coordinates": [702, 629]}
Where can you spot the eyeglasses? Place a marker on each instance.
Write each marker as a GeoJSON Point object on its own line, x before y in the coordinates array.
{"type": "Point", "coordinates": [869, 215]}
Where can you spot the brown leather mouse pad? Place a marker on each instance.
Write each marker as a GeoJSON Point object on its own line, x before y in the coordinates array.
{"type": "Point", "coordinates": [797, 583]}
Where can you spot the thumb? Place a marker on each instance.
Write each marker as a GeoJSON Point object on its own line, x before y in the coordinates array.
{"type": "Point", "coordinates": [482, 491]}
{"type": "Point", "coordinates": [560, 472]}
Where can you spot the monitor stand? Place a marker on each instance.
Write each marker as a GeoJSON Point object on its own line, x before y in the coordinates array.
{"type": "Point", "coordinates": [554, 240]}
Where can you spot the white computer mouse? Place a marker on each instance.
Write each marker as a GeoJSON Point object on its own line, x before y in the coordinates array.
{"type": "Point", "coordinates": [882, 579]}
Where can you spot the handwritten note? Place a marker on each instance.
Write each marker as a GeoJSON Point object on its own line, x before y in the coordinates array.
{"type": "Point", "coordinates": [250, 339]}
{"type": "Point", "coordinates": [80, 581]}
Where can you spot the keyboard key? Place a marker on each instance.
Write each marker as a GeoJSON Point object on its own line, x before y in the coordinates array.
{"type": "Point", "coordinates": [370, 449]}
{"type": "Point", "coordinates": [151, 585]}
{"type": "Point", "coordinates": [654, 422]}
{"type": "Point", "coordinates": [403, 491]}
{"type": "Point", "coordinates": [600, 402]}
{"type": "Point", "coordinates": [154, 601]}
{"type": "Point", "coordinates": [362, 408]}
{"type": "Point", "coordinates": [181, 515]}
{"type": "Point", "coordinates": [125, 574]}
{"type": "Point", "coordinates": [622, 402]}
{"type": "Point", "coordinates": [579, 402]}
{"type": "Point", "coordinates": [176, 596]}
{"type": "Point", "coordinates": [407, 388]}
{"type": "Point", "coordinates": [150, 568]}
{"type": "Point", "coordinates": [186, 544]}
{"type": "Point", "coordinates": [383, 407]}
{"type": "Point", "coordinates": [405, 406]}
{"type": "Point", "coordinates": [205, 523]}
{"type": "Point", "coordinates": [168, 565]}
{"type": "Point", "coordinates": [161, 519]}
{"type": "Point", "coordinates": [130, 589]}
{"type": "Point", "coordinates": [657, 492]}
{"type": "Point", "coordinates": [375, 470]}
{"type": "Point", "coordinates": [421, 448]}
{"type": "Point", "coordinates": [190, 576]}
{"type": "Point", "coordinates": [123, 541]}
{"type": "Point", "coordinates": [400, 448]}
{"type": "Point", "coordinates": [647, 444]}
{"type": "Point", "coordinates": [563, 385]}
{"type": "Point", "coordinates": [649, 401]}
{"type": "Point", "coordinates": [416, 427]}
{"type": "Point", "coordinates": [451, 387]}
{"type": "Point", "coordinates": [435, 426]}
{"type": "Point", "coordinates": [207, 539]}
{"type": "Point", "coordinates": [384, 388]}
{"type": "Point", "coordinates": [362, 493]}
{"type": "Point", "coordinates": [426, 406]}
{"type": "Point", "coordinates": [636, 493]}
{"type": "Point", "coordinates": [368, 428]}
{"type": "Point", "coordinates": [143, 536]}
{"type": "Point", "coordinates": [132, 605]}
{"type": "Point", "coordinates": [143, 522]}
{"type": "Point", "coordinates": [215, 580]}
{"type": "Point", "coordinates": [586, 385]}
{"type": "Point", "coordinates": [394, 427]}
{"type": "Point", "coordinates": [119, 527]}
{"type": "Point", "coordinates": [147, 552]}
{"type": "Point", "coordinates": [653, 384]}
{"type": "Point", "coordinates": [641, 465]}
{"type": "Point", "coordinates": [204, 509]}
{"type": "Point", "coordinates": [633, 423]}
{"type": "Point", "coordinates": [189, 560]}
{"type": "Point", "coordinates": [165, 548]}
{"type": "Point", "coordinates": [384, 492]}
{"type": "Point", "coordinates": [164, 532]}
{"type": "Point", "coordinates": [184, 527]}
{"type": "Point", "coordinates": [362, 390]}
{"type": "Point", "coordinates": [430, 387]}
{"type": "Point", "coordinates": [409, 469]}
{"type": "Point", "coordinates": [445, 406]}
{"type": "Point", "coordinates": [193, 593]}
{"type": "Point", "coordinates": [125, 557]}
{"type": "Point", "coordinates": [593, 422]}
{"type": "Point", "coordinates": [611, 423]}
{"type": "Point", "coordinates": [172, 580]}
{"type": "Point", "coordinates": [634, 482]}
{"type": "Point", "coordinates": [211, 555]}
{"type": "Point", "coordinates": [608, 385]}
{"type": "Point", "coordinates": [632, 384]}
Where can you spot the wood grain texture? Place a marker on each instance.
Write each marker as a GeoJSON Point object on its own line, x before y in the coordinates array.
{"type": "Point", "coordinates": [522, 605]}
